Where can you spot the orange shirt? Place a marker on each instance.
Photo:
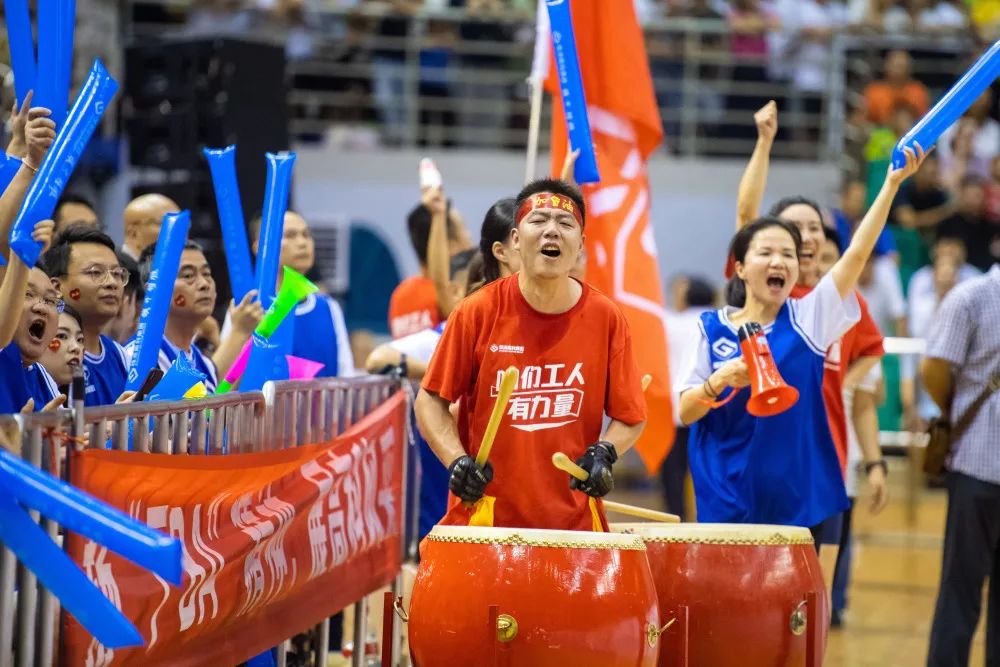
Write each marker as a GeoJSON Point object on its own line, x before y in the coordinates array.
{"type": "Point", "coordinates": [862, 340]}
{"type": "Point", "coordinates": [575, 367]}
{"type": "Point", "coordinates": [413, 307]}
{"type": "Point", "coordinates": [880, 98]}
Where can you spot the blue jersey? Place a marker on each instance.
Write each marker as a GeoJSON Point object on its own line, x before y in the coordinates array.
{"type": "Point", "coordinates": [104, 374]}
{"type": "Point", "coordinates": [168, 355]}
{"type": "Point", "coordinates": [781, 469]}
{"type": "Point", "coordinates": [321, 336]}
{"type": "Point", "coordinates": [19, 383]}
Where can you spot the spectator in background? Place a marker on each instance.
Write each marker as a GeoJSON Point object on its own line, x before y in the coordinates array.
{"type": "Point", "coordinates": [928, 287]}
{"type": "Point", "coordinates": [692, 296]}
{"type": "Point", "coordinates": [969, 224]}
{"type": "Point", "coordinates": [961, 372]}
{"type": "Point", "coordinates": [749, 23]}
{"type": "Point", "coordinates": [882, 96]}
{"type": "Point", "coordinates": [818, 20]}
{"type": "Point", "coordinates": [64, 353]}
{"type": "Point", "coordinates": [985, 15]}
{"type": "Point", "coordinates": [846, 218]}
{"type": "Point", "coordinates": [415, 304]}
{"type": "Point", "coordinates": [388, 65]}
{"type": "Point", "coordinates": [940, 16]}
{"type": "Point", "coordinates": [192, 302]}
{"type": "Point", "coordinates": [880, 143]}
{"type": "Point", "coordinates": [143, 218]}
{"type": "Point", "coordinates": [74, 208]}
{"type": "Point", "coordinates": [922, 204]}
{"type": "Point", "coordinates": [991, 192]}
{"type": "Point", "coordinates": [84, 267]}
{"type": "Point", "coordinates": [483, 103]}
{"type": "Point", "coordinates": [969, 146]}
{"type": "Point", "coordinates": [126, 322]}
{"type": "Point", "coordinates": [217, 18]}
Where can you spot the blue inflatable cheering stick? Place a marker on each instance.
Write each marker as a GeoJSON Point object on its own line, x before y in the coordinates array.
{"type": "Point", "coordinates": [950, 108]}
{"type": "Point", "coordinates": [159, 291]}
{"type": "Point", "coordinates": [222, 163]}
{"type": "Point", "coordinates": [573, 97]}
{"type": "Point", "coordinates": [24, 486]}
{"type": "Point", "coordinates": [56, 19]}
{"type": "Point", "coordinates": [57, 167]}
{"type": "Point", "coordinates": [22, 47]}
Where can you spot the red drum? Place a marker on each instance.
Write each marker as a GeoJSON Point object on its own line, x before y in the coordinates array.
{"type": "Point", "coordinates": [744, 591]}
{"type": "Point", "coordinates": [562, 598]}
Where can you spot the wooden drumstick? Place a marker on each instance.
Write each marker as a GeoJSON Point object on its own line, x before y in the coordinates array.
{"type": "Point", "coordinates": [646, 379]}
{"type": "Point", "coordinates": [507, 386]}
{"type": "Point", "coordinates": [564, 463]}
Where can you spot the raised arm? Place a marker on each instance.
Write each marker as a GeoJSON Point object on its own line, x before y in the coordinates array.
{"type": "Point", "coordinates": [754, 180]}
{"type": "Point", "coordinates": [848, 268]}
{"type": "Point", "coordinates": [39, 133]}
{"type": "Point", "coordinates": [438, 259]}
{"type": "Point", "coordinates": [15, 285]}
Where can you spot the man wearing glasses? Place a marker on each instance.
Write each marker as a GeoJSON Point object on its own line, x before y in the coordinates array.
{"type": "Point", "coordinates": [84, 267]}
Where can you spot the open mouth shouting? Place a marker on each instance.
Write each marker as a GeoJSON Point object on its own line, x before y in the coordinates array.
{"type": "Point", "coordinates": [776, 282]}
{"type": "Point", "coordinates": [36, 330]}
{"type": "Point", "coordinates": [551, 250]}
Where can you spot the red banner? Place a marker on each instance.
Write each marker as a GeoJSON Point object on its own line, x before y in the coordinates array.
{"type": "Point", "coordinates": [621, 251]}
{"type": "Point", "coordinates": [273, 542]}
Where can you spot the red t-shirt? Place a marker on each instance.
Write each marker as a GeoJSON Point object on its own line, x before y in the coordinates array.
{"type": "Point", "coordinates": [862, 340]}
{"type": "Point", "coordinates": [413, 307]}
{"type": "Point", "coordinates": [575, 367]}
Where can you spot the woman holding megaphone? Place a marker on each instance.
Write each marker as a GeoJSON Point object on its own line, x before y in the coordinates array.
{"type": "Point", "coordinates": [766, 455]}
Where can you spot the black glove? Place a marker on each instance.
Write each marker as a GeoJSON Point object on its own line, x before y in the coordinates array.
{"type": "Point", "coordinates": [467, 479]}
{"type": "Point", "coordinates": [597, 461]}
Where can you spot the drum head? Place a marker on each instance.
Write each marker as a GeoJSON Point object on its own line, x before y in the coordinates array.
{"type": "Point", "coordinates": [567, 539]}
{"type": "Point", "coordinates": [716, 533]}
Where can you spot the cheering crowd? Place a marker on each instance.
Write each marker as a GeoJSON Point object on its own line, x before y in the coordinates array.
{"type": "Point", "coordinates": [520, 299]}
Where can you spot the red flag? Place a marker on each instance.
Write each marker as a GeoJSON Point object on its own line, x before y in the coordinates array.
{"type": "Point", "coordinates": [621, 253]}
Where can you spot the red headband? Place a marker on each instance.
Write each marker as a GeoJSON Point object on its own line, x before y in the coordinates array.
{"type": "Point", "coordinates": [548, 200]}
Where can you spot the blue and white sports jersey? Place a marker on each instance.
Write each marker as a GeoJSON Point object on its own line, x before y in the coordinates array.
{"type": "Point", "coordinates": [321, 336]}
{"type": "Point", "coordinates": [168, 355]}
{"type": "Point", "coordinates": [19, 383]}
{"type": "Point", "coordinates": [781, 469]}
{"type": "Point", "coordinates": [41, 385]}
{"type": "Point", "coordinates": [104, 374]}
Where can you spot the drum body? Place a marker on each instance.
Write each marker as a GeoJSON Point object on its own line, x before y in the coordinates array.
{"type": "Point", "coordinates": [566, 598]}
{"type": "Point", "coordinates": [744, 588]}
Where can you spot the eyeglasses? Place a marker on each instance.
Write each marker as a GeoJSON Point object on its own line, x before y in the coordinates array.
{"type": "Point", "coordinates": [190, 275]}
{"type": "Point", "coordinates": [99, 274]}
{"type": "Point", "coordinates": [47, 300]}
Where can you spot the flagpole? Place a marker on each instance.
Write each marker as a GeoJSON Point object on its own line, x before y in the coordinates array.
{"type": "Point", "coordinates": [539, 72]}
{"type": "Point", "coordinates": [534, 125]}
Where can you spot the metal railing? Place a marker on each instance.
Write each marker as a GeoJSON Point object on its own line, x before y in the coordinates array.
{"type": "Point", "coordinates": [282, 416]}
{"type": "Point", "coordinates": [450, 78]}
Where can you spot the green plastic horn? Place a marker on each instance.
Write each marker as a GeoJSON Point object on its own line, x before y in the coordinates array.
{"type": "Point", "coordinates": [294, 288]}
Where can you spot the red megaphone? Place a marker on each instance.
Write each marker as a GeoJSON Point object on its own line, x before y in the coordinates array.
{"type": "Point", "coordinates": [769, 395]}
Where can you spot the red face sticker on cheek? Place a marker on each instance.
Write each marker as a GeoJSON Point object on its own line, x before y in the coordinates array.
{"type": "Point", "coordinates": [180, 301]}
{"type": "Point", "coordinates": [74, 294]}
{"type": "Point", "coordinates": [55, 345]}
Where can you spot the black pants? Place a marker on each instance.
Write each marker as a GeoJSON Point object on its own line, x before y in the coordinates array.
{"type": "Point", "coordinates": [971, 554]}
{"type": "Point", "coordinates": [673, 472]}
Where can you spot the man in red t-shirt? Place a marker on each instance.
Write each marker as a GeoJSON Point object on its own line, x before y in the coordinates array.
{"type": "Point", "coordinates": [415, 304]}
{"type": "Point", "coordinates": [573, 348]}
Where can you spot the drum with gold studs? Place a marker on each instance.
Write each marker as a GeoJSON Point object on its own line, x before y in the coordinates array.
{"type": "Point", "coordinates": [734, 594]}
{"type": "Point", "coordinates": [532, 598]}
